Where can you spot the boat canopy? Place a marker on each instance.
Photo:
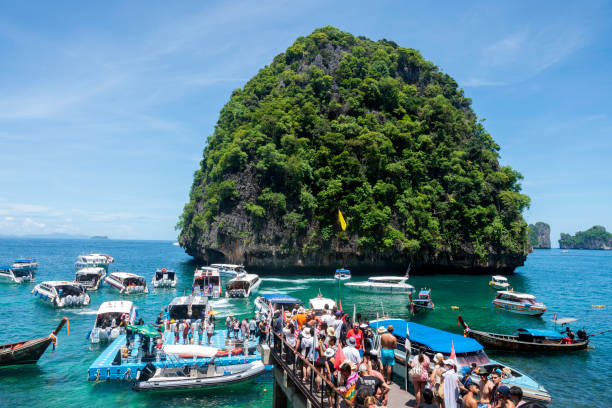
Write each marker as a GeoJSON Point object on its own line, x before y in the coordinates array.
{"type": "Point", "coordinates": [344, 271]}
{"type": "Point", "coordinates": [187, 307]}
{"type": "Point", "coordinates": [388, 279]}
{"type": "Point", "coordinates": [499, 278]}
{"type": "Point", "coordinates": [424, 292]}
{"type": "Point", "coordinates": [540, 333]}
{"type": "Point", "coordinates": [281, 299]}
{"type": "Point", "coordinates": [319, 303]}
{"type": "Point", "coordinates": [27, 260]}
{"type": "Point", "coordinates": [161, 272]}
{"type": "Point", "coordinates": [439, 341]}
{"type": "Point", "coordinates": [144, 331]}
{"type": "Point", "coordinates": [565, 320]}
{"type": "Point", "coordinates": [116, 306]}
{"type": "Point", "coordinates": [516, 294]}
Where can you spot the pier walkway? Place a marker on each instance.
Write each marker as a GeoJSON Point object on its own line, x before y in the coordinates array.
{"type": "Point", "coordinates": [316, 389]}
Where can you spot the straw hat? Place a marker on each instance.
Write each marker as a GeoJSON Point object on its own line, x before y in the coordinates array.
{"type": "Point", "coordinates": [301, 310]}
{"type": "Point", "coordinates": [329, 352]}
{"type": "Point", "coordinates": [381, 330]}
{"type": "Point", "coordinates": [330, 331]}
{"type": "Point", "coordinates": [439, 358]}
{"type": "Point", "coordinates": [348, 363]}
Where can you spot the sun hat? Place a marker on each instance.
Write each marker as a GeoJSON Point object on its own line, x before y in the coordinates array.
{"type": "Point", "coordinates": [348, 363]}
{"type": "Point", "coordinates": [363, 368]}
{"type": "Point", "coordinates": [338, 313]}
{"type": "Point", "coordinates": [363, 326]}
{"type": "Point", "coordinates": [330, 331]}
{"type": "Point", "coordinates": [502, 389]}
{"type": "Point", "coordinates": [381, 330]}
{"type": "Point", "coordinates": [450, 362]}
{"type": "Point", "coordinates": [483, 371]}
{"type": "Point", "coordinates": [351, 341]}
{"type": "Point", "coordinates": [439, 357]}
{"type": "Point", "coordinates": [301, 310]}
{"type": "Point", "coordinates": [329, 352]}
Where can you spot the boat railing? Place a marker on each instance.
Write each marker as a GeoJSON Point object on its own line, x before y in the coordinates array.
{"type": "Point", "coordinates": [317, 386]}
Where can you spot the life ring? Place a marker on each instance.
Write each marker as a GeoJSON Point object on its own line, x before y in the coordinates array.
{"type": "Point", "coordinates": [185, 355]}
{"type": "Point", "coordinates": [236, 351]}
{"type": "Point", "coordinates": [222, 353]}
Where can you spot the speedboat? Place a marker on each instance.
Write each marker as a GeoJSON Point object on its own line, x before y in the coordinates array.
{"type": "Point", "coordinates": [528, 340]}
{"type": "Point", "coordinates": [165, 278]}
{"type": "Point", "coordinates": [318, 304]}
{"type": "Point", "coordinates": [207, 282]}
{"type": "Point", "coordinates": [386, 284]}
{"type": "Point", "coordinates": [26, 264]}
{"type": "Point", "coordinates": [242, 285]}
{"type": "Point", "coordinates": [93, 261]}
{"type": "Point", "coordinates": [201, 376]}
{"type": "Point", "coordinates": [499, 282]}
{"type": "Point", "coordinates": [422, 302]}
{"type": "Point", "coordinates": [8, 273]}
{"type": "Point", "coordinates": [516, 302]}
{"type": "Point", "coordinates": [342, 274]}
{"type": "Point", "coordinates": [229, 269]}
{"type": "Point", "coordinates": [413, 338]}
{"type": "Point", "coordinates": [109, 315]}
{"type": "Point", "coordinates": [188, 307]}
{"type": "Point", "coordinates": [276, 301]}
{"type": "Point", "coordinates": [90, 277]}
{"type": "Point", "coordinates": [62, 293]}
{"type": "Point", "coordinates": [127, 282]}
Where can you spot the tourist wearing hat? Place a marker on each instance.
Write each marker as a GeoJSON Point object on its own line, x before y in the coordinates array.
{"type": "Point", "coordinates": [435, 379]}
{"type": "Point", "coordinates": [485, 385]}
{"type": "Point", "coordinates": [350, 351]}
{"type": "Point", "coordinates": [348, 380]}
{"type": "Point", "coordinates": [451, 384]}
{"type": "Point", "coordinates": [503, 397]}
{"type": "Point", "coordinates": [301, 318]}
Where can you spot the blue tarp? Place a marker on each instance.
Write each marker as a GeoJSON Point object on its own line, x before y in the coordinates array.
{"type": "Point", "coordinates": [439, 341]}
{"type": "Point", "coordinates": [346, 271]}
{"type": "Point", "coordinates": [280, 298]}
{"type": "Point", "coordinates": [24, 260]}
{"type": "Point", "coordinates": [541, 333]}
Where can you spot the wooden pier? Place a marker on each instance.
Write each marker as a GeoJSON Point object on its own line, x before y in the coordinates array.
{"type": "Point", "coordinates": [291, 389]}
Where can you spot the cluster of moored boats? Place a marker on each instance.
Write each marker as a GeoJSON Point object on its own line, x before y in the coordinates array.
{"type": "Point", "coordinates": [162, 357]}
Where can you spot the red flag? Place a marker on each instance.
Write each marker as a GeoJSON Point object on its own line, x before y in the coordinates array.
{"type": "Point", "coordinates": [339, 359]}
{"type": "Point", "coordinates": [555, 317]}
{"type": "Point", "coordinates": [453, 356]}
{"type": "Point", "coordinates": [339, 304]}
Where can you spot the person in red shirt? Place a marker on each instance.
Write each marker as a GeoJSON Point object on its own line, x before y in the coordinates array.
{"type": "Point", "coordinates": [357, 333]}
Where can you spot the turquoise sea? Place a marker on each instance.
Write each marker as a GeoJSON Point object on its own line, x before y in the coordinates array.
{"type": "Point", "coordinates": [568, 283]}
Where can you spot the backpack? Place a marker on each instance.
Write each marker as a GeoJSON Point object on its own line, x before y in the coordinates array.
{"type": "Point", "coordinates": [417, 370]}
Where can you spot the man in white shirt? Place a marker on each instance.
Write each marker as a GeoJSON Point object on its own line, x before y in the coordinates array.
{"type": "Point", "coordinates": [350, 352]}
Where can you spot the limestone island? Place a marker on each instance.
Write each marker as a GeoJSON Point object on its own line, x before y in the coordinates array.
{"type": "Point", "coordinates": [339, 123]}
{"type": "Point", "coordinates": [539, 235]}
{"type": "Point", "coordinates": [594, 238]}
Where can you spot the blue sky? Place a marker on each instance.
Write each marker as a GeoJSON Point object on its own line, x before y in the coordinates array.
{"type": "Point", "coordinates": [106, 106]}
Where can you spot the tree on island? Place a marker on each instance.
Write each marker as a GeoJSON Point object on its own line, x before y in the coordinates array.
{"type": "Point", "coordinates": [539, 235]}
{"type": "Point", "coordinates": [371, 128]}
{"type": "Point", "coordinates": [594, 238]}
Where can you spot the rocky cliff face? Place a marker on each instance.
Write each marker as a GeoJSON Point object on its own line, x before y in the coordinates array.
{"type": "Point", "coordinates": [369, 128]}
{"type": "Point", "coordinates": [594, 238]}
{"type": "Point", "coordinates": [539, 235]}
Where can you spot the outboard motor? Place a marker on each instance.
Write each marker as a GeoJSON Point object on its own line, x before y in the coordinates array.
{"type": "Point", "coordinates": [147, 372]}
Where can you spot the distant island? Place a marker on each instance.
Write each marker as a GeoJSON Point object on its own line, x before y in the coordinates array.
{"type": "Point", "coordinates": [539, 235]}
{"type": "Point", "coordinates": [594, 238]}
{"type": "Point", "coordinates": [339, 125]}
{"type": "Point", "coordinates": [99, 237]}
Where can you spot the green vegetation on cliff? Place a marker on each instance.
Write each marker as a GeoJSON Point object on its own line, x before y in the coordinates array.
{"type": "Point", "coordinates": [539, 235]}
{"type": "Point", "coordinates": [594, 238]}
{"type": "Point", "coordinates": [370, 128]}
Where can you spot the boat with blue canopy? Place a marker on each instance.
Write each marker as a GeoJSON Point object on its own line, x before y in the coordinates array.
{"type": "Point", "coordinates": [531, 340]}
{"type": "Point", "coordinates": [422, 301]}
{"type": "Point", "coordinates": [278, 301]}
{"type": "Point", "coordinates": [26, 264]}
{"type": "Point", "coordinates": [342, 274]}
{"type": "Point", "coordinates": [10, 274]}
{"type": "Point", "coordinates": [413, 338]}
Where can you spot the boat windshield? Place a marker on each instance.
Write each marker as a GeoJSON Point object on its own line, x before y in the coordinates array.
{"type": "Point", "coordinates": [134, 281]}
{"type": "Point", "coordinates": [179, 312]}
{"type": "Point", "coordinates": [203, 282]}
{"type": "Point", "coordinates": [65, 290]}
{"type": "Point", "coordinates": [105, 320]}
{"type": "Point", "coordinates": [160, 275]}
{"type": "Point", "coordinates": [239, 284]}
{"type": "Point", "coordinates": [387, 281]}
{"type": "Point", "coordinates": [20, 273]}
{"type": "Point", "coordinates": [85, 277]}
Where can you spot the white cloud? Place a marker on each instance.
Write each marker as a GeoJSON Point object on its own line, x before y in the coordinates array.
{"type": "Point", "coordinates": [9, 218]}
{"type": "Point", "coordinates": [29, 223]}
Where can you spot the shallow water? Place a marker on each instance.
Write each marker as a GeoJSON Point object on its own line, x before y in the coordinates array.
{"type": "Point", "coordinates": [568, 283]}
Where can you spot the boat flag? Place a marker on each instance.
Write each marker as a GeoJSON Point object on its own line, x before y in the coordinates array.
{"type": "Point", "coordinates": [67, 327]}
{"type": "Point", "coordinates": [339, 304]}
{"type": "Point", "coordinates": [453, 356]}
{"type": "Point", "coordinates": [339, 359]}
{"type": "Point", "coordinates": [342, 222]}
{"type": "Point", "coordinates": [555, 317]}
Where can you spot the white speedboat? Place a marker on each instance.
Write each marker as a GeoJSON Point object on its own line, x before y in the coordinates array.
{"type": "Point", "coordinates": [62, 293]}
{"type": "Point", "coordinates": [521, 303]}
{"type": "Point", "coordinates": [127, 282]}
{"type": "Point", "coordinates": [207, 282]}
{"type": "Point", "coordinates": [499, 282]}
{"type": "Point", "coordinates": [242, 285]}
{"type": "Point", "coordinates": [318, 304]}
{"type": "Point", "coordinates": [342, 274]}
{"type": "Point", "coordinates": [110, 314]}
{"type": "Point", "coordinates": [278, 301]}
{"type": "Point", "coordinates": [9, 274]}
{"type": "Point", "coordinates": [165, 278]}
{"type": "Point", "coordinates": [90, 277]}
{"type": "Point", "coordinates": [229, 269]}
{"type": "Point", "coordinates": [188, 307]}
{"type": "Point", "coordinates": [93, 261]}
{"type": "Point", "coordinates": [385, 284]}
{"type": "Point", "coordinates": [206, 375]}
{"type": "Point", "coordinates": [26, 264]}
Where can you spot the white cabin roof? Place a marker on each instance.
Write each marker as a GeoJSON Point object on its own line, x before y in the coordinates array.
{"type": "Point", "coordinates": [517, 295]}
{"type": "Point", "coordinates": [398, 279]}
{"type": "Point", "coordinates": [319, 303]}
{"type": "Point", "coordinates": [206, 271]}
{"type": "Point", "coordinates": [60, 283]}
{"type": "Point", "coordinates": [116, 306]}
{"type": "Point", "coordinates": [499, 278]}
{"type": "Point", "coordinates": [229, 266]}
{"type": "Point", "coordinates": [248, 277]}
{"type": "Point", "coordinates": [125, 275]}
{"type": "Point", "coordinates": [90, 270]}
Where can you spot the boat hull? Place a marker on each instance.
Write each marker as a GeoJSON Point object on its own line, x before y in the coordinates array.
{"type": "Point", "coordinates": [380, 289]}
{"type": "Point", "coordinates": [518, 308]}
{"type": "Point", "coordinates": [27, 352]}
{"type": "Point", "coordinates": [512, 343]}
{"type": "Point", "coordinates": [187, 383]}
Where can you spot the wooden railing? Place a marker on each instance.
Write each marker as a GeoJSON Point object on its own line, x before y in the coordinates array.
{"type": "Point", "coordinates": [326, 396]}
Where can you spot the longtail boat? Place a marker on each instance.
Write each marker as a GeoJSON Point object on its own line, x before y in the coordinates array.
{"type": "Point", "coordinates": [29, 351]}
{"type": "Point", "coordinates": [532, 340]}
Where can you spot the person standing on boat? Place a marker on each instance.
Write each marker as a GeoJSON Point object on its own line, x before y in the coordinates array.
{"type": "Point", "coordinates": [228, 325]}
{"type": "Point", "coordinates": [210, 331]}
{"type": "Point", "coordinates": [244, 328]}
{"type": "Point", "coordinates": [236, 325]}
{"type": "Point", "coordinates": [388, 342]}
{"type": "Point", "coordinates": [451, 384]}
{"type": "Point", "coordinates": [252, 329]}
